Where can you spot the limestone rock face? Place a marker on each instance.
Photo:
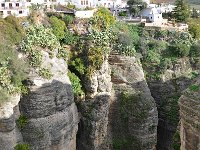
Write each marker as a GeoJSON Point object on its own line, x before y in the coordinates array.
{"type": "Point", "coordinates": [133, 114]}
{"type": "Point", "coordinates": [189, 113]}
{"type": "Point", "coordinates": [93, 126]}
{"type": "Point", "coordinates": [166, 93]}
{"type": "Point", "coordinates": [9, 133]}
{"type": "Point", "coordinates": [51, 115]}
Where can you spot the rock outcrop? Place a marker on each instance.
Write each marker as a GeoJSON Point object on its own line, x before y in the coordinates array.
{"type": "Point", "coordinates": [93, 126]}
{"type": "Point", "coordinates": [166, 93]}
{"type": "Point", "coordinates": [47, 118]}
{"type": "Point", "coordinates": [133, 114]}
{"type": "Point", "coordinates": [189, 113]}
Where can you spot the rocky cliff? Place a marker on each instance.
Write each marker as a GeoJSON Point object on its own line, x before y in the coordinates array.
{"type": "Point", "coordinates": [166, 92]}
{"type": "Point", "coordinates": [45, 118]}
{"type": "Point", "coordinates": [133, 114]}
{"type": "Point", "coordinates": [93, 126]}
{"type": "Point", "coordinates": [189, 114]}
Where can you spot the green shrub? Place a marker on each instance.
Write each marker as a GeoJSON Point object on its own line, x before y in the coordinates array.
{"type": "Point", "coordinates": [76, 84]}
{"type": "Point", "coordinates": [165, 64]}
{"type": "Point", "coordinates": [22, 147]}
{"type": "Point", "coordinates": [122, 13]}
{"type": "Point", "coordinates": [102, 19]}
{"type": "Point", "coordinates": [45, 73]}
{"type": "Point", "coordinates": [180, 49]}
{"type": "Point", "coordinates": [10, 34]}
{"type": "Point", "coordinates": [95, 58]}
{"type": "Point", "coordinates": [22, 122]}
{"type": "Point", "coordinates": [195, 50]}
{"type": "Point", "coordinates": [68, 19]}
{"type": "Point", "coordinates": [58, 27]}
{"type": "Point", "coordinates": [62, 53]}
{"type": "Point", "coordinates": [79, 65]}
{"type": "Point", "coordinates": [12, 69]}
{"type": "Point", "coordinates": [38, 37]}
{"type": "Point", "coordinates": [153, 57]}
{"type": "Point", "coordinates": [194, 27]}
{"type": "Point", "coordinates": [70, 38]}
{"type": "Point", "coordinates": [16, 23]}
{"type": "Point", "coordinates": [194, 88]}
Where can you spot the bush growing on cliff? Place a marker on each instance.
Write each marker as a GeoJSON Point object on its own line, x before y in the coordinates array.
{"type": "Point", "coordinates": [22, 122]}
{"type": "Point", "coordinates": [22, 147]}
{"type": "Point", "coordinates": [12, 69]}
{"type": "Point", "coordinates": [195, 50]}
{"type": "Point", "coordinates": [11, 32]}
{"type": "Point", "coordinates": [76, 84]}
{"type": "Point", "coordinates": [58, 27]}
{"type": "Point", "coordinates": [180, 49]}
{"type": "Point", "coordinates": [102, 19]}
{"type": "Point", "coordinates": [68, 19]}
{"type": "Point", "coordinates": [70, 38]}
{"type": "Point", "coordinates": [38, 36]}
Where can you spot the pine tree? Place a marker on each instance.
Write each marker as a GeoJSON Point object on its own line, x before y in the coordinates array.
{"type": "Point", "coordinates": [182, 10]}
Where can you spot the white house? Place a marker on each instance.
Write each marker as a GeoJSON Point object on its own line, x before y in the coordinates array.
{"type": "Point", "coordinates": [152, 14]}
{"type": "Point", "coordinates": [20, 8]}
{"type": "Point", "coordinates": [96, 3]}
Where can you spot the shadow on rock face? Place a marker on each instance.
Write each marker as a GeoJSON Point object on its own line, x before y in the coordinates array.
{"type": "Point", "coordinates": [50, 118]}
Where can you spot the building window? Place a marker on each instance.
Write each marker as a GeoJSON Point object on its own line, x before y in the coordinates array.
{"type": "Point", "coordinates": [10, 5]}
{"type": "Point", "coordinates": [104, 4]}
{"type": "Point", "coordinates": [28, 0]}
{"type": "Point", "coordinates": [9, 12]}
{"type": "Point", "coordinates": [1, 12]}
{"type": "Point", "coordinates": [20, 12]}
{"type": "Point", "coordinates": [86, 2]}
{"type": "Point", "coordinates": [151, 18]}
{"type": "Point", "coordinates": [17, 4]}
{"type": "Point", "coordinates": [2, 4]}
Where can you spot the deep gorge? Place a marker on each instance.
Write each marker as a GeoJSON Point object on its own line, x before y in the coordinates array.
{"type": "Point", "coordinates": [97, 84]}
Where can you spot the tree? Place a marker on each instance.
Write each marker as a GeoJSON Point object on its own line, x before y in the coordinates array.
{"type": "Point", "coordinates": [195, 13]}
{"type": "Point", "coordinates": [182, 10]}
{"type": "Point", "coordinates": [135, 6]}
{"type": "Point", "coordinates": [194, 28]}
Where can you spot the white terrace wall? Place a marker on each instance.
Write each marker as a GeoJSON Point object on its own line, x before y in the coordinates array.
{"type": "Point", "coordinates": [84, 14]}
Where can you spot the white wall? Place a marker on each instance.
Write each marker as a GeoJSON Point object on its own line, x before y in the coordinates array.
{"type": "Point", "coordinates": [18, 9]}
{"type": "Point", "coordinates": [84, 14]}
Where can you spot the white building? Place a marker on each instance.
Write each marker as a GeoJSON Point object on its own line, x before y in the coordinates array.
{"type": "Point", "coordinates": [20, 8]}
{"type": "Point", "coordinates": [153, 16]}
{"type": "Point", "coordinates": [96, 3]}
